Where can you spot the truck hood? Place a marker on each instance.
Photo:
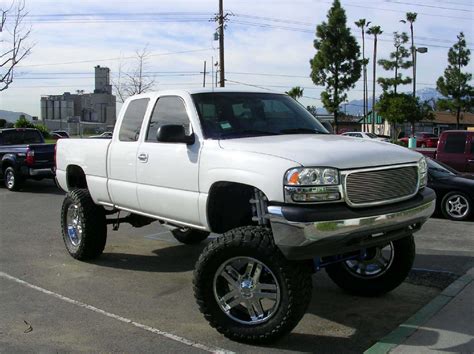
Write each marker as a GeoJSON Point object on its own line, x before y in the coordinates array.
{"type": "Point", "coordinates": [325, 150]}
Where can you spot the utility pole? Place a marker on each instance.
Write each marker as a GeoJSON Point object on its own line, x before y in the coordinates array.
{"type": "Point", "coordinates": [204, 75]}
{"type": "Point", "coordinates": [221, 43]}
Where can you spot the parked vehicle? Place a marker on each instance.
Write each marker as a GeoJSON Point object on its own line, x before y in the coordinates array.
{"type": "Point", "coordinates": [423, 140]}
{"type": "Point", "coordinates": [454, 191]}
{"type": "Point", "coordinates": [62, 133]}
{"type": "Point", "coordinates": [455, 149]}
{"type": "Point", "coordinates": [288, 197]}
{"type": "Point", "coordinates": [24, 155]}
{"type": "Point", "coordinates": [365, 135]}
{"type": "Point", "coordinates": [57, 136]}
{"type": "Point", "coordinates": [104, 135]}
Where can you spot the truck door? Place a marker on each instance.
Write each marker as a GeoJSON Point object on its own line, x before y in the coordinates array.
{"type": "Point", "coordinates": [168, 172]}
{"type": "Point", "coordinates": [453, 151]}
{"type": "Point", "coordinates": [123, 157]}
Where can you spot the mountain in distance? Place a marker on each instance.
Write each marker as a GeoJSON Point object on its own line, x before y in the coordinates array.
{"type": "Point", "coordinates": [355, 107]}
{"type": "Point", "coordinates": [12, 117]}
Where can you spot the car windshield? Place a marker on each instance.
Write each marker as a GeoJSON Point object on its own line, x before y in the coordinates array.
{"type": "Point", "coordinates": [371, 135]}
{"type": "Point", "coordinates": [231, 115]}
{"type": "Point", "coordinates": [20, 137]}
{"type": "Point", "coordinates": [440, 170]}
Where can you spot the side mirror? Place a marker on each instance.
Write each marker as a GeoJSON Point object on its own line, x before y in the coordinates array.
{"type": "Point", "coordinates": [174, 133]}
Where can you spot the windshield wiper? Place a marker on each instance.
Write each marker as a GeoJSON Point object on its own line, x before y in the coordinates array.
{"type": "Point", "coordinates": [301, 131]}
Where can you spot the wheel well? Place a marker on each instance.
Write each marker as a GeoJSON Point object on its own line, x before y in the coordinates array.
{"type": "Point", "coordinates": [75, 177]}
{"type": "Point", "coordinates": [6, 164]}
{"type": "Point", "coordinates": [229, 206]}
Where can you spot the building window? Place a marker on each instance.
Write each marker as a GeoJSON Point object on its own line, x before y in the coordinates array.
{"type": "Point", "coordinates": [132, 120]}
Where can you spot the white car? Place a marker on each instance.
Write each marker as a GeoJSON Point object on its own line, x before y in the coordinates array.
{"type": "Point", "coordinates": [365, 135]}
{"type": "Point", "coordinates": [286, 197]}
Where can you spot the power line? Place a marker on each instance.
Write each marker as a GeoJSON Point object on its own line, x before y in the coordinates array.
{"type": "Point", "coordinates": [111, 59]}
{"type": "Point", "coordinates": [425, 5]}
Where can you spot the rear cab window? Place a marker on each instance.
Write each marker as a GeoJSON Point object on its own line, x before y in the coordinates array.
{"type": "Point", "coordinates": [20, 137]}
{"type": "Point", "coordinates": [455, 143]}
{"type": "Point", "coordinates": [133, 119]}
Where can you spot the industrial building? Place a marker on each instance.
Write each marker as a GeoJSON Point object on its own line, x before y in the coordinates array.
{"type": "Point", "coordinates": [81, 112]}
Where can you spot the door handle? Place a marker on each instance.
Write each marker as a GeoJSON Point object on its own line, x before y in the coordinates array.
{"type": "Point", "coordinates": [143, 157]}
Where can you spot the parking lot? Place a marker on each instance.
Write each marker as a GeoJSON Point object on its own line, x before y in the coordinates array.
{"type": "Point", "coordinates": [138, 296]}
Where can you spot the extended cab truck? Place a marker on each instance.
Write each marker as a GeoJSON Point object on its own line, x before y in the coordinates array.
{"type": "Point", "coordinates": [287, 197]}
{"type": "Point", "coordinates": [455, 149]}
{"type": "Point", "coordinates": [24, 155]}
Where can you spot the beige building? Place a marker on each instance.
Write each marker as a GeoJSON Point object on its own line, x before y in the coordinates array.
{"type": "Point", "coordinates": [82, 112]}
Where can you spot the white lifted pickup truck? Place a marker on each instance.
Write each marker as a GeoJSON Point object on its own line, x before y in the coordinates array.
{"type": "Point", "coordinates": [285, 197]}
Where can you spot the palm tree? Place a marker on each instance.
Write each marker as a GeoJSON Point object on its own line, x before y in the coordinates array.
{"type": "Point", "coordinates": [375, 31]}
{"type": "Point", "coordinates": [295, 92]}
{"type": "Point", "coordinates": [362, 24]}
{"type": "Point", "coordinates": [411, 18]}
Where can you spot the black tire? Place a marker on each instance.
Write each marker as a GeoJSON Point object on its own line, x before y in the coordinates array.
{"type": "Point", "coordinates": [376, 284]}
{"type": "Point", "coordinates": [293, 280]}
{"type": "Point", "coordinates": [190, 236]}
{"type": "Point", "coordinates": [93, 224]}
{"type": "Point", "coordinates": [12, 179]}
{"type": "Point", "coordinates": [464, 213]}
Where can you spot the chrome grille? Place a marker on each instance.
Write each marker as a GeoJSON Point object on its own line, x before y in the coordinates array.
{"type": "Point", "coordinates": [378, 186]}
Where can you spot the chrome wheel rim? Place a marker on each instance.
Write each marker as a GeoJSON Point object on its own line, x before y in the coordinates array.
{"type": "Point", "coordinates": [74, 225]}
{"type": "Point", "coordinates": [10, 178]}
{"type": "Point", "coordinates": [457, 206]}
{"type": "Point", "coordinates": [246, 290]}
{"type": "Point", "coordinates": [375, 262]}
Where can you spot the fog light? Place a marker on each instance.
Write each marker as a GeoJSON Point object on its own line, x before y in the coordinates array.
{"type": "Point", "coordinates": [315, 197]}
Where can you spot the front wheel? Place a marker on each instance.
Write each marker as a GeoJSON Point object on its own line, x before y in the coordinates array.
{"type": "Point", "coordinates": [84, 226]}
{"type": "Point", "coordinates": [379, 271]}
{"type": "Point", "coordinates": [246, 288]}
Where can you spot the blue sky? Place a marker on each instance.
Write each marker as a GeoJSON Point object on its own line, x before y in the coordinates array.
{"type": "Point", "coordinates": [268, 42]}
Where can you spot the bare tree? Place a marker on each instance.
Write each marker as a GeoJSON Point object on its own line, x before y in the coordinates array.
{"type": "Point", "coordinates": [132, 78]}
{"type": "Point", "coordinates": [13, 41]}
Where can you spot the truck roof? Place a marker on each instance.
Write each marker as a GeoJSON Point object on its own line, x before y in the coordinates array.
{"type": "Point", "coordinates": [202, 90]}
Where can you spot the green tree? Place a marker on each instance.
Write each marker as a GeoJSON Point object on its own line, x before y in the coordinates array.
{"type": "Point", "coordinates": [411, 18]}
{"type": "Point", "coordinates": [336, 64]}
{"type": "Point", "coordinates": [295, 92]}
{"type": "Point", "coordinates": [45, 131]}
{"type": "Point", "coordinates": [454, 85]}
{"type": "Point", "coordinates": [363, 24]}
{"type": "Point", "coordinates": [398, 60]}
{"type": "Point", "coordinates": [375, 31]}
{"type": "Point", "coordinates": [3, 123]}
{"type": "Point", "coordinates": [22, 122]}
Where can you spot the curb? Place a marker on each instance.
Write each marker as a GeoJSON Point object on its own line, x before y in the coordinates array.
{"type": "Point", "coordinates": [406, 329]}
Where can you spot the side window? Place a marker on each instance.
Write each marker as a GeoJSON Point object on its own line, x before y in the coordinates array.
{"type": "Point", "coordinates": [132, 120]}
{"type": "Point", "coordinates": [168, 110]}
{"type": "Point", "coordinates": [472, 145]}
{"type": "Point", "coordinates": [357, 135]}
{"type": "Point", "coordinates": [455, 143]}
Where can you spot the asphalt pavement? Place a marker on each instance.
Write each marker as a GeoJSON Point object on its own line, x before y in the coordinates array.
{"type": "Point", "coordinates": [138, 295]}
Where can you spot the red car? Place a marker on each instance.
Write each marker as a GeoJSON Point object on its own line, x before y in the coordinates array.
{"type": "Point", "coordinates": [423, 140]}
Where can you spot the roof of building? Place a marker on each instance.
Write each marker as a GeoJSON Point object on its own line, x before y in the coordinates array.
{"type": "Point", "coordinates": [449, 118]}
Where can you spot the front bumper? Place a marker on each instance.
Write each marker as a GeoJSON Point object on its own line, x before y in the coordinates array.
{"type": "Point", "coordinates": [304, 232]}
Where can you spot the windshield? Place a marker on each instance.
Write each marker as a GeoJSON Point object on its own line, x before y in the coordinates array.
{"type": "Point", "coordinates": [21, 137]}
{"type": "Point", "coordinates": [440, 170]}
{"type": "Point", "coordinates": [232, 115]}
{"type": "Point", "coordinates": [371, 135]}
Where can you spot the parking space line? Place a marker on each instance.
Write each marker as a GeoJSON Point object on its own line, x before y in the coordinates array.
{"type": "Point", "coordinates": [170, 336]}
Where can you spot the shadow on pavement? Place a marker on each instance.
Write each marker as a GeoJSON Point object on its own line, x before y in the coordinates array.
{"type": "Point", "coordinates": [46, 186]}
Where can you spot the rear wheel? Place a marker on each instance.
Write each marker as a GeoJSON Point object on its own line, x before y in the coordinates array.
{"type": "Point", "coordinates": [84, 226]}
{"type": "Point", "coordinates": [246, 288]}
{"type": "Point", "coordinates": [189, 236]}
{"type": "Point", "coordinates": [456, 206]}
{"type": "Point", "coordinates": [379, 271]}
{"type": "Point", "coordinates": [13, 180]}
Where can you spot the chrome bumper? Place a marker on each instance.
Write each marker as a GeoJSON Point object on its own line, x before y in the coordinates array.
{"type": "Point", "coordinates": [41, 172]}
{"type": "Point", "coordinates": [299, 240]}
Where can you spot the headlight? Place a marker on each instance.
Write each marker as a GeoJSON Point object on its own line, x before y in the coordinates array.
{"type": "Point", "coordinates": [312, 177]}
{"type": "Point", "coordinates": [423, 172]}
{"type": "Point", "coordinates": [312, 185]}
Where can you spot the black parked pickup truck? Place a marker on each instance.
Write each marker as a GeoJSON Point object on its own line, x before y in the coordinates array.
{"type": "Point", "coordinates": [24, 155]}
